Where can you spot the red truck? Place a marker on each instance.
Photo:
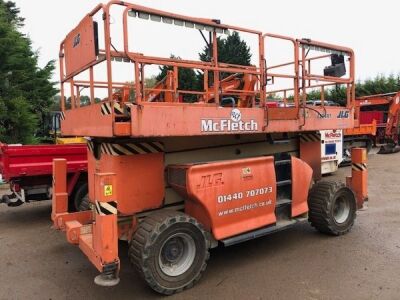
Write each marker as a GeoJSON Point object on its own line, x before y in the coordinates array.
{"type": "Point", "coordinates": [28, 170]}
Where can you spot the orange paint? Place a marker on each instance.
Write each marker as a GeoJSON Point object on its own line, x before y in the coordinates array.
{"type": "Point", "coordinates": [301, 179]}
{"type": "Point", "coordinates": [80, 46]}
{"type": "Point", "coordinates": [139, 180]}
{"type": "Point", "coordinates": [235, 196]}
{"type": "Point", "coordinates": [310, 152]}
{"type": "Point", "coordinates": [60, 195]}
{"type": "Point", "coordinates": [358, 181]}
{"type": "Point", "coordinates": [227, 197]}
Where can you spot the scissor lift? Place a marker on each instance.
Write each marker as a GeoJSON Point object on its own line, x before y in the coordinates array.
{"type": "Point", "coordinates": [175, 178]}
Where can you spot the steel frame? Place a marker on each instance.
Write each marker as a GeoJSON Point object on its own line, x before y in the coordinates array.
{"type": "Point", "coordinates": [303, 79]}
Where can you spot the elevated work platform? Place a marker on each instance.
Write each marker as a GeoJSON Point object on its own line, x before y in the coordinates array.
{"type": "Point", "coordinates": [231, 99]}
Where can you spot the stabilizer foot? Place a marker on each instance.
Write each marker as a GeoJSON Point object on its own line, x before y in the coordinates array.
{"type": "Point", "coordinates": [106, 280]}
{"type": "Point", "coordinates": [4, 199]}
{"type": "Point", "coordinates": [388, 149]}
{"type": "Point", "coordinates": [11, 200]}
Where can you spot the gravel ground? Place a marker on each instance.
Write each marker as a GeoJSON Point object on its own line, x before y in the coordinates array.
{"type": "Point", "coordinates": [37, 262]}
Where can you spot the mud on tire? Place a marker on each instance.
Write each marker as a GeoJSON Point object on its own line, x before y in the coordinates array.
{"type": "Point", "coordinates": [332, 208]}
{"type": "Point", "coordinates": [169, 250]}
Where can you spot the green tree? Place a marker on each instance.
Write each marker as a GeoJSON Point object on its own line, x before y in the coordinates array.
{"type": "Point", "coordinates": [231, 50]}
{"type": "Point", "coordinates": [379, 85]}
{"type": "Point", "coordinates": [17, 121]}
{"type": "Point", "coordinates": [186, 79]}
{"type": "Point", "coordinates": [22, 82]}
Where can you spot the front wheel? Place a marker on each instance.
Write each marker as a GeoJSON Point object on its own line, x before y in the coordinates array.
{"type": "Point", "coordinates": [169, 250]}
{"type": "Point", "coordinates": [332, 208]}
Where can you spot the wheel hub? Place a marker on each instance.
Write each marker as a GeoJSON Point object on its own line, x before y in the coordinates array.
{"type": "Point", "coordinates": [341, 210]}
{"type": "Point", "coordinates": [173, 250]}
{"type": "Point", "coordinates": [177, 254]}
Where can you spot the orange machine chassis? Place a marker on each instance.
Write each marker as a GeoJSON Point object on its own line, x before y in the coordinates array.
{"type": "Point", "coordinates": [135, 143]}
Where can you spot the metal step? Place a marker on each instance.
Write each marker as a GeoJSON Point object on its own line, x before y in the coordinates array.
{"type": "Point", "coordinates": [282, 162]}
{"type": "Point", "coordinates": [283, 202]}
{"type": "Point", "coordinates": [284, 140]}
{"type": "Point", "coordinates": [280, 225]}
{"type": "Point", "coordinates": [283, 209]}
{"type": "Point", "coordinates": [284, 182]}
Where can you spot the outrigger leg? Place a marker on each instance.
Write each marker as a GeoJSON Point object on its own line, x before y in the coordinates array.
{"type": "Point", "coordinates": [94, 231]}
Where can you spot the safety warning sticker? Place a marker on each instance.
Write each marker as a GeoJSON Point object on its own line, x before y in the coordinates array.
{"type": "Point", "coordinates": [108, 190]}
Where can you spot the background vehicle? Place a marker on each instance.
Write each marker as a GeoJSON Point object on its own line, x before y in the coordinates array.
{"type": "Point", "coordinates": [319, 103]}
{"type": "Point", "coordinates": [28, 170]}
{"type": "Point", "coordinates": [378, 124]}
{"type": "Point", "coordinates": [52, 134]}
{"type": "Point", "coordinates": [174, 179]}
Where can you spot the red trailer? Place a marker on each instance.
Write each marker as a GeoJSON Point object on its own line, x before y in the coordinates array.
{"type": "Point", "coordinates": [28, 170]}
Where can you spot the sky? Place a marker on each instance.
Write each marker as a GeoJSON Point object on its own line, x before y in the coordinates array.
{"type": "Point", "coordinates": [369, 27]}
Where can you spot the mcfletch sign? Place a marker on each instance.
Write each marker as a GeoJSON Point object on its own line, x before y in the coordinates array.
{"type": "Point", "coordinates": [234, 124]}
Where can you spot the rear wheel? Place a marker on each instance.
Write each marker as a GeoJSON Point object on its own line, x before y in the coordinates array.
{"type": "Point", "coordinates": [169, 250]}
{"type": "Point", "coordinates": [332, 208]}
{"type": "Point", "coordinates": [81, 198]}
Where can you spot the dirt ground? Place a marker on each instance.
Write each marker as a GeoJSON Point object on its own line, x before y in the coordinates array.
{"type": "Point", "coordinates": [37, 262]}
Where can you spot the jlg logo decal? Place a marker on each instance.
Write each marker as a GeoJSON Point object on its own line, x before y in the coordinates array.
{"type": "Point", "coordinates": [210, 180]}
{"type": "Point", "coordinates": [343, 114]}
{"type": "Point", "coordinates": [234, 124]}
{"type": "Point", "coordinates": [77, 40]}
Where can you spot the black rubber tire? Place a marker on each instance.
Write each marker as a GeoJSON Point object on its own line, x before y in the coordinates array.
{"type": "Point", "coordinates": [321, 203]}
{"type": "Point", "coordinates": [369, 145]}
{"type": "Point", "coordinates": [80, 198]}
{"type": "Point", "coordinates": [147, 243]}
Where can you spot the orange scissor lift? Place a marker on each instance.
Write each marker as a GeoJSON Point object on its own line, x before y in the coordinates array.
{"type": "Point", "coordinates": [174, 178]}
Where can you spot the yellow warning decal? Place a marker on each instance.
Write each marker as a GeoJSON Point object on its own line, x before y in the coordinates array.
{"type": "Point", "coordinates": [108, 190]}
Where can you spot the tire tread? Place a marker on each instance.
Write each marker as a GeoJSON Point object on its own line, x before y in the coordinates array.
{"type": "Point", "coordinates": [143, 238]}
{"type": "Point", "coordinates": [320, 200]}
